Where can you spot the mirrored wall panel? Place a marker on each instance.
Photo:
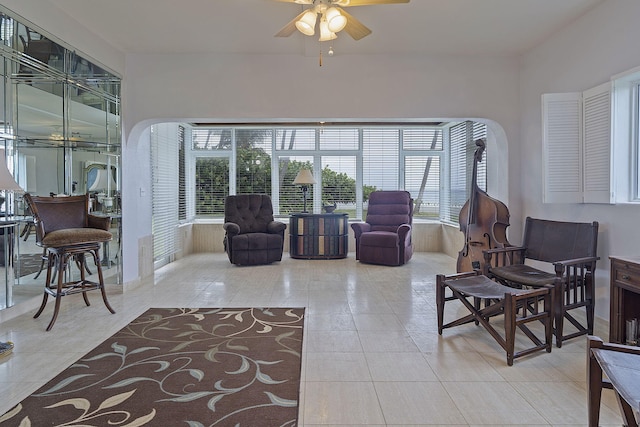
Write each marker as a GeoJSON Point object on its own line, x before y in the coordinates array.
{"type": "Point", "coordinates": [61, 136]}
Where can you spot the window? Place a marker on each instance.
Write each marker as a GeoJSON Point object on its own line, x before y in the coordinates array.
{"type": "Point", "coordinates": [422, 153]}
{"type": "Point", "coordinates": [626, 135]}
{"type": "Point", "coordinates": [461, 161]}
{"type": "Point", "coordinates": [433, 163]}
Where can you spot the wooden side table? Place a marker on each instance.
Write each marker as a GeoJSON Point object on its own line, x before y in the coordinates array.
{"type": "Point", "coordinates": [319, 236]}
{"type": "Point", "coordinates": [625, 296]}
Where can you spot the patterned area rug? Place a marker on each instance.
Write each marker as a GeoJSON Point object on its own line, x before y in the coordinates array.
{"type": "Point", "coordinates": [171, 367]}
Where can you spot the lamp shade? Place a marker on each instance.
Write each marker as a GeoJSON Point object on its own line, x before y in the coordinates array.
{"type": "Point", "coordinates": [335, 19]}
{"type": "Point", "coordinates": [104, 181]}
{"type": "Point", "coordinates": [6, 179]}
{"type": "Point", "coordinates": [325, 33]}
{"type": "Point", "coordinates": [304, 177]}
{"type": "Point", "coordinates": [306, 24]}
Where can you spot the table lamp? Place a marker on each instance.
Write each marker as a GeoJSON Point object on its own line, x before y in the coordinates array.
{"type": "Point", "coordinates": [7, 183]}
{"type": "Point", "coordinates": [304, 179]}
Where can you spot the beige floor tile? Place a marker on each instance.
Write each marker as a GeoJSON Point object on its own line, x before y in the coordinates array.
{"type": "Point", "coordinates": [496, 403]}
{"type": "Point", "coordinates": [336, 367]}
{"type": "Point", "coordinates": [387, 341]}
{"type": "Point", "coordinates": [561, 402]}
{"type": "Point", "coordinates": [377, 322]}
{"type": "Point", "coordinates": [332, 341]}
{"type": "Point", "coordinates": [330, 322]}
{"type": "Point", "coordinates": [417, 403]}
{"type": "Point", "coordinates": [342, 403]}
{"type": "Point", "coordinates": [467, 366]}
{"type": "Point", "coordinates": [428, 341]}
{"type": "Point", "coordinates": [533, 367]}
{"type": "Point", "coordinates": [394, 366]}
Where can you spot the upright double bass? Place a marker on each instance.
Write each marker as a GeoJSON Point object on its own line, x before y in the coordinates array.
{"type": "Point", "coordinates": [483, 220]}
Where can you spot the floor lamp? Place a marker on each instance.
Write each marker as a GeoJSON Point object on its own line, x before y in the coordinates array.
{"type": "Point", "coordinates": [304, 179]}
{"type": "Point", "coordinates": [7, 184]}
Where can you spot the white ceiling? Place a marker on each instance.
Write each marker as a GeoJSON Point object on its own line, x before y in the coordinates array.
{"type": "Point", "coordinates": [481, 27]}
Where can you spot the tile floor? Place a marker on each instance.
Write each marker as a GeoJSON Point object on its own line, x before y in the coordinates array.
{"type": "Point", "coordinates": [372, 354]}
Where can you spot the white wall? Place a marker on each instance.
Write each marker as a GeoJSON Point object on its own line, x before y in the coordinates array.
{"type": "Point", "coordinates": [601, 44]}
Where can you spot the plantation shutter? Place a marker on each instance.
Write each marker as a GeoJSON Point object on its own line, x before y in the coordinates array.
{"type": "Point", "coordinates": [562, 147]}
{"type": "Point", "coordinates": [597, 145]}
{"type": "Point", "coordinates": [164, 184]}
{"type": "Point", "coordinates": [577, 146]}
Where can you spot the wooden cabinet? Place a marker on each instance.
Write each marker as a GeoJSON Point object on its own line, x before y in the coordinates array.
{"type": "Point", "coordinates": [319, 236]}
{"type": "Point", "coordinates": [625, 295]}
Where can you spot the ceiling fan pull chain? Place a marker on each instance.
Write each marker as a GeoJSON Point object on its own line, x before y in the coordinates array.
{"type": "Point", "coordinates": [320, 59]}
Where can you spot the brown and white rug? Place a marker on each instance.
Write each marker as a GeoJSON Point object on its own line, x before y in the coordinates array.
{"type": "Point", "coordinates": [180, 367]}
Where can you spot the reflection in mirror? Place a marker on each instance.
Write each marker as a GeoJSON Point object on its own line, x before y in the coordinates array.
{"type": "Point", "coordinates": [101, 186]}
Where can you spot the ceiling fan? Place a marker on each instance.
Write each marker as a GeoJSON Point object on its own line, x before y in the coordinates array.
{"type": "Point", "coordinates": [333, 18]}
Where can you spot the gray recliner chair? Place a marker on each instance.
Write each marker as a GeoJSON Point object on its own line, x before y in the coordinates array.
{"type": "Point", "coordinates": [385, 237]}
{"type": "Point", "coordinates": [252, 237]}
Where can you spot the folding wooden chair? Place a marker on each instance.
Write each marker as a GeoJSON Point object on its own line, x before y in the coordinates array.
{"type": "Point", "coordinates": [489, 299]}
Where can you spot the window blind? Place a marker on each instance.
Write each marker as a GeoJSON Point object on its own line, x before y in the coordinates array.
{"type": "Point", "coordinates": [462, 139]}
{"type": "Point", "coordinates": [164, 183]}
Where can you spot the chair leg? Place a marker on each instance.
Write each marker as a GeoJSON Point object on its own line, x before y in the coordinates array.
{"type": "Point", "coordinates": [63, 260]}
{"type": "Point", "coordinates": [96, 258]}
{"type": "Point", "coordinates": [589, 296]}
{"type": "Point", "coordinates": [81, 261]}
{"type": "Point", "coordinates": [558, 312]}
{"type": "Point", "coordinates": [510, 326]}
{"type": "Point", "coordinates": [440, 301]}
{"type": "Point", "coordinates": [50, 260]}
{"type": "Point", "coordinates": [594, 383]}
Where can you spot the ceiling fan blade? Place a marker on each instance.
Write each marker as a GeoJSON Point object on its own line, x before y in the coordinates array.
{"type": "Point", "coordinates": [290, 28]}
{"type": "Point", "coordinates": [348, 3]}
{"type": "Point", "coordinates": [355, 28]}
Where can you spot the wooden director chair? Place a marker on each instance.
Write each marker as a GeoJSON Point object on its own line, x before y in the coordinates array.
{"type": "Point", "coordinates": [490, 299]}
{"type": "Point", "coordinates": [557, 253]}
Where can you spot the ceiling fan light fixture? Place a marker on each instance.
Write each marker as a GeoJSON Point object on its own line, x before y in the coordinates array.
{"type": "Point", "coordinates": [325, 33]}
{"type": "Point", "coordinates": [307, 23]}
{"type": "Point", "coordinates": [335, 19]}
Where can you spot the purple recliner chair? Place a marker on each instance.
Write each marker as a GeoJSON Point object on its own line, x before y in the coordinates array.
{"type": "Point", "coordinates": [252, 236]}
{"type": "Point", "coordinates": [385, 237]}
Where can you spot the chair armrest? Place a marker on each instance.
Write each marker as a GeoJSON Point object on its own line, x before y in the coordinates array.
{"type": "Point", "coordinates": [360, 227]}
{"type": "Point", "coordinates": [561, 266]}
{"type": "Point", "coordinates": [404, 231]}
{"type": "Point", "coordinates": [577, 261]}
{"type": "Point", "coordinates": [597, 342]}
{"type": "Point", "coordinates": [506, 249]}
{"type": "Point", "coordinates": [99, 222]}
{"type": "Point", "coordinates": [509, 255]}
{"type": "Point", "coordinates": [231, 228]}
{"type": "Point", "coordinates": [275, 227]}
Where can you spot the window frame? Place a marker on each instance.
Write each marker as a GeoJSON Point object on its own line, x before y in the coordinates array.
{"type": "Point", "coordinates": [314, 151]}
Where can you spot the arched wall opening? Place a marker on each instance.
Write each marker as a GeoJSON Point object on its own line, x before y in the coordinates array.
{"type": "Point", "coordinates": [137, 199]}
